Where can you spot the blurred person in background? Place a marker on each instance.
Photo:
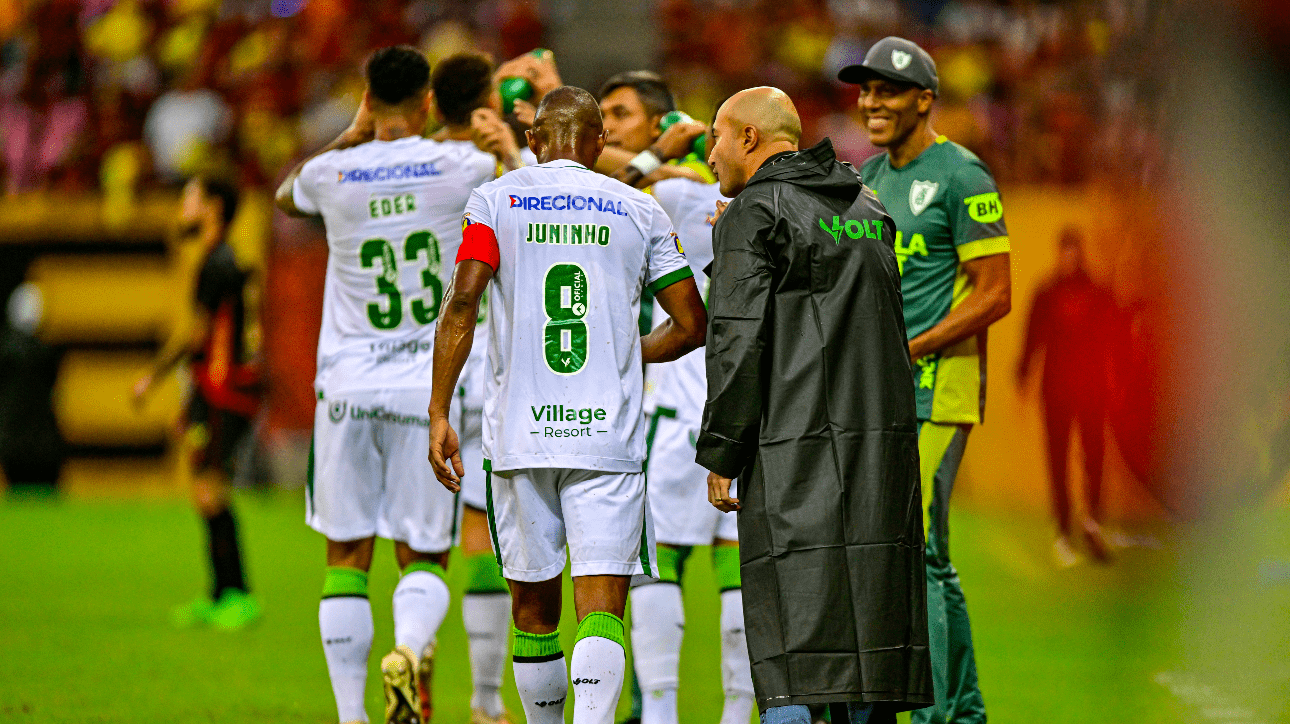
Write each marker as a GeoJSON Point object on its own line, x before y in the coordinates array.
{"type": "Point", "coordinates": [224, 401]}
{"type": "Point", "coordinates": [31, 448]}
{"type": "Point", "coordinates": [953, 249]}
{"type": "Point", "coordinates": [392, 202]}
{"type": "Point", "coordinates": [633, 104]}
{"type": "Point", "coordinates": [1075, 324]}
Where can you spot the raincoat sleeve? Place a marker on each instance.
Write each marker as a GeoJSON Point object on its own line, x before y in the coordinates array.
{"type": "Point", "coordinates": [739, 332]}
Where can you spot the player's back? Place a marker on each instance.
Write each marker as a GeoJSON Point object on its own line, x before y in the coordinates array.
{"type": "Point", "coordinates": [682, 385]}
{"type": "Point", "coordinates": [564, 380]}
{"type": "Point", "coordinates": [393, 215]}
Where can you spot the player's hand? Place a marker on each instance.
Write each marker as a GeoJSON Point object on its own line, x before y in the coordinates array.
{"type": "Point", "coordinates": [540, 72]}
{"type": "Point", "coordinates": [716, 214]}
{"type": "Point", "coordinates": [525, 112]}
{"type": "Point", "coordinates": [362, 129]}
{"type": "Point", "coordinates": [719, 494]}
{"type": "Point", "coordinates": [141, 389]}
{"type": "Point", "coordinates": [445, 447]}
{"type": "Point", "coordinates": [492, 135]}
{"type": "Point", "coordinates": [677, 140]}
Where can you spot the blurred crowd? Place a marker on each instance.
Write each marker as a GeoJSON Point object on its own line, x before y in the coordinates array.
{"type": "Point", "coordinates": [117, 95]}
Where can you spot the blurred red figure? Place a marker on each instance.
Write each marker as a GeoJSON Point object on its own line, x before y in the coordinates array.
{"type": "Point", "coordinates": [1075, 322]}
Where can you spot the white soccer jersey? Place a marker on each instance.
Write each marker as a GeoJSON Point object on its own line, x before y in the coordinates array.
{"type": "Point", "coordinates": [683, 385]}
{"type": "Point", "coordinates": [393, 216]}
{"type": "Point", "coordinates": [564, 382]}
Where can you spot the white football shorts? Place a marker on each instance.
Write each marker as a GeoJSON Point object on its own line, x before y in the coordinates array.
{"type": "Point", "coordinates": [369, 473]}
{"type": "Point", "coordinates": [604, 519]}
{"type": "Point", "coordinates": [678, 487]}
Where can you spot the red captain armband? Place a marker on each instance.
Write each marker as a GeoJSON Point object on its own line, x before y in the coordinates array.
{"type": "Point", "coordinates": [478, 242]}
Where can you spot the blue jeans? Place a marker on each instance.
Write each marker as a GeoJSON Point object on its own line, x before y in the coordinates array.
{"type": "Point", "coordinates": [799, 714]}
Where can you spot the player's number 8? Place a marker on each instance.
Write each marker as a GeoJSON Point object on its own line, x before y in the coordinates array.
{"type": "Point", "coordinates": [387, 282]}
{"type": "Point", "coordinates": [565, 298]}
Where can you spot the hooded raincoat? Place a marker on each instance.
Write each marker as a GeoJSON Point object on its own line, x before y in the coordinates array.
{"type": "Point", "coordinates": [810, 406]}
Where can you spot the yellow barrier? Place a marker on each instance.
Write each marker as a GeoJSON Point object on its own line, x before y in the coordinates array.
{"type": "Point", "coordinates": [94, 405]}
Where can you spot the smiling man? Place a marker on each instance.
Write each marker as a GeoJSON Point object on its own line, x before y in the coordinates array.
{"type": "Point", "coordinates": [953, 247]}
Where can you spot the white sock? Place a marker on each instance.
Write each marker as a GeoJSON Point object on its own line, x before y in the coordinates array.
{"type": "Point", "coordinates": [598, 668]}
{"type": "Point", "coordinates": [420, 604]}
{"type": "Point", "coordinates": [656, 648]}
{"type": "Point", "coordinates": [487, 617]}
{"type": "Point", "coordinates": [736, 669]}
{"type": "Point", "coordinates": [346, 626]}
{"type": "Point", "coordinates": [543, 687]}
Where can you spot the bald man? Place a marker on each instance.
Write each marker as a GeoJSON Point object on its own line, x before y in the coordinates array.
{"type": "Point", "coordinates": [810, 407]}
{"type": "Point", "coordinates": [568, 252]}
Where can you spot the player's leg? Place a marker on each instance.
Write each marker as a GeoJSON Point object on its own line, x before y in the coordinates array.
{"type": "Point", "coordinates": [486, 605]}
{"type": "Point", "coordinates": [529, 537]}
{"type": "Point", "coordinates": [345, 622]}
{"type": "Point", "coordinates": [958, 696]}
{"type": "Point", "coordinates": [486, 613]}
{"type": "Point", "coordinates": [656, 638]}
{"type": "Point", "coordinates": [610, 535]}
{"type": "Point", "coordinates": [420, 516]}
{"type": "Point", "coordinates": [342, 498]}
{"type": "Point", "coordinates": [936, 443]}
{"type": "Point", "coordinates": [1057, 433]}
{"type": "Point", "coordinates": [1092, 437]}
{"type": "Point", "coordinates": [736, 669]}
{"type": "Point", "coordinates": [213, 436]}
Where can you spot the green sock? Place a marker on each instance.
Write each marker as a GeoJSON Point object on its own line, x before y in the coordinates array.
{"type": "Point", "coordinates": [603, 624]}
{"type": "Point", "coordinates": [342, 581]}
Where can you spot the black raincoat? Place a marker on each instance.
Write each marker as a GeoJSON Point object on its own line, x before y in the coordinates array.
{"type": "Point", "coordinates": [810, 406]}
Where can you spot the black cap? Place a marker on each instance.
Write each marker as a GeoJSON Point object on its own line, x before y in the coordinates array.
{"type": "Point", "coordinates": [895, 59]}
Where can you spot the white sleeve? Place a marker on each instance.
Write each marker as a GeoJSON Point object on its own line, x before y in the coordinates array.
{"type": "Point", "coordinates": [666, 261]}
{"type": "Point", "coordinates": [304, 192]}
{"type": "Point", "coordinates": [478, 211]}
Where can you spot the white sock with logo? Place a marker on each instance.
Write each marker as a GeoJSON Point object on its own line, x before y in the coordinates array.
{"type": "Point", "coordinates": [656, 649]}
{"type": "Point", "coordinates": [346, 626]}
{"type": "Point", "coordinates": [736, 669]}
{"type": "Point", "coordinates": [598, 668]}
{"type": "Point", "coordinates": [543, 687]}
{"type": "Point", "coordinates": [487, 617]}
{"type": "Point", "coordinates": [420, 605]}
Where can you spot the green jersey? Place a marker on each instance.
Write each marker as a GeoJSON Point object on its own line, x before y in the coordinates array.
{"type": "Point", "coordinates": [947, 211]}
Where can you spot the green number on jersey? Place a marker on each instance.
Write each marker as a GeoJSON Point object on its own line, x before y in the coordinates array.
{"type": "Point", "coordinates": [565, 298]}
{"type": "Point", "coordinates": [387, 282]}
{"type": "Point", "coordinates": [425, 241]}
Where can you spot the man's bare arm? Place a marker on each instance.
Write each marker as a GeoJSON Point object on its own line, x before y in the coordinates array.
{"type": "Point", "coordinates": [685, 328]}
{"type": "Point", "coordinates": [359, 132]}
{"type": "Point", "coordinates": [452, 342]}
{"type": "Point", "coordinates": [989, 301]}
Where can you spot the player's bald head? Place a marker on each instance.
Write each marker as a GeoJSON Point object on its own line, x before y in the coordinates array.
{"type": "Point", "coordinates": [566, 116]}
{"type": "Point", "coordinates": [767, 109]}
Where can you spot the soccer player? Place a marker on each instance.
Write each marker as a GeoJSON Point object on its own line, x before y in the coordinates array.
{"type": "Point", "coordinates": [391, 201]}
{"type": "Point", "coordinates": [633, 103]}
{"type": "Point", "coordinates": [220, 410]}
{"type": "Point", "coordinates": [466, 99]}
{"type": "Point", "coordinates": [568, 252]}
{"type": "Point", "coordinates": [953, 250]}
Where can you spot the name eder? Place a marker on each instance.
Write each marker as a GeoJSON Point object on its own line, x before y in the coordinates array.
{"type": "Point", "coordinates": [539, 233]}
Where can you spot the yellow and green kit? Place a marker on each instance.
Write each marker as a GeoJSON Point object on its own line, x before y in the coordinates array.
{"type": "Point", "coordinates": [947, 211]}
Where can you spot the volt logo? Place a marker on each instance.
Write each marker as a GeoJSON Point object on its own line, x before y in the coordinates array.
{"type": "Point", "coordinates": [585, 681]}
{"type": "Point", "coordinates": [854, 229]}
{"type": "Point", "coordinates": [556, 702]}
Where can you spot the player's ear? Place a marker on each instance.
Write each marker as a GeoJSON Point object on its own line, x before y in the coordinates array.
{"type": "Point", "coordinates": [925, 100]}
{"type": "Point", "coordinates": [749, 139]}
{"type": "Point", "coordinates": [532, 140]}
{"type": "Point", "coordinates": [654, 130]}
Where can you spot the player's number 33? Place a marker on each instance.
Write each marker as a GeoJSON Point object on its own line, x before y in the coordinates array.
{"type": "Point", "coordinates": [424, 311]}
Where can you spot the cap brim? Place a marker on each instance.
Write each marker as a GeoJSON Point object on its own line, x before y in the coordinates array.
{"type": "Point", "coordinates": [857, 74]}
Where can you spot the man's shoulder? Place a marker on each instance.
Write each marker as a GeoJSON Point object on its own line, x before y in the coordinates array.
{"type": "Point", "coordinates": [954, 159]}
{"type": "Point", "coordinates": [870, 168]}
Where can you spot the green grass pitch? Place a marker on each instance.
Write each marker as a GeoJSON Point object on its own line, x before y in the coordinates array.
{"type": "Point", "coordinates": [85, 590]}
